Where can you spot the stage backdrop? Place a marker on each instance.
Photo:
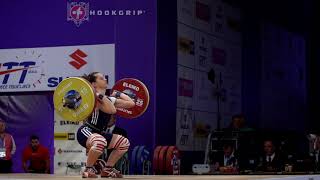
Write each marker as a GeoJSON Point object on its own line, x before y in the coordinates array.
{"type": "Point", "coordinates": [45, 42]}
{"type": "Point", "coordinates": [209, 38]}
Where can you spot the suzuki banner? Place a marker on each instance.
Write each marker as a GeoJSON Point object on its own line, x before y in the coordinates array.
{"type": "Point", "coordinates": [41, 69]}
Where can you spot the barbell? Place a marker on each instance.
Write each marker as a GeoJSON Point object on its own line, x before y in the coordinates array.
{"type": "Point", "coordinates": [75, 98]}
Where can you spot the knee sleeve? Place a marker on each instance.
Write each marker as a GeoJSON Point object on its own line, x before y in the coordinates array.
{"type": "Point", "coordinates": [97, 143]}
{"type": "Point", "coordinates": [122, 144]}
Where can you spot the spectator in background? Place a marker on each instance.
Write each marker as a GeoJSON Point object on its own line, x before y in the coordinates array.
{"type": "Point", "coordinates": [238, 123]}
{"type": "Point", "coordinates": [38, 157]}
{"type": "Point", "coordinates": [271, 161]}
{"type": "Point", "coordinates": [7, 149]}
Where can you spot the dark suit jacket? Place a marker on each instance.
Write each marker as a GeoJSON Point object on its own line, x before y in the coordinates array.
{"type": "Point", "coordinates": [276, 165]}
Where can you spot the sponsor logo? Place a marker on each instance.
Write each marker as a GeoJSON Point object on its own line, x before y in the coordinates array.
{"type": "Point", "coordinates": [63, 123]}
{"type": "Point", "coordinates": [186, 46]}
{"type": "Point", "coordinates": [21, 72]}
{"type": "Point", "coordinates": [54, 81]}
{"type": "Point", "coordinates": [201, 129]}
{"type": "Point", "coordinates": [79, 12]}
{"type": "Point", "coordinates": [64, 136]}
{"type": "Point", "coordinates": [60, 151]}
{"type": "Point", "coordinates": [77, 62]}
{"type": "Point", "coordinates": [78, 59]}
{"type": "Point", "coordinates": [65, 164]}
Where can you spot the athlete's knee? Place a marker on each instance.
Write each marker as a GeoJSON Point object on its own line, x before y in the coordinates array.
{"type": "Point", "coordinates": [122, 144]}
{"type": "Point", "coordinates": [97, 143]}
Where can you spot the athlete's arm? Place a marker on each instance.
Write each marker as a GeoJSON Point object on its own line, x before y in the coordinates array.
{"type": "Point", "coordinates": [106, 105]}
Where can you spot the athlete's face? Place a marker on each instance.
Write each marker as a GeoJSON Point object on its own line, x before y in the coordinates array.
{"type": "Point", "coordinates": [101, 81]}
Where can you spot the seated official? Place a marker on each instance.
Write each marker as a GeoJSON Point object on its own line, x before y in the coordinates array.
{"type": "Point", "coordinates": [227, 160]}
{"type": "Point", "coordinates": [270, 161]}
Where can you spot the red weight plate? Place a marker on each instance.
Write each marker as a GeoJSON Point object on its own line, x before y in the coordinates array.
{"type": "Point", "coordinates": [141, 96]}
{"type": "Point", "coordinates": [155, 161]}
